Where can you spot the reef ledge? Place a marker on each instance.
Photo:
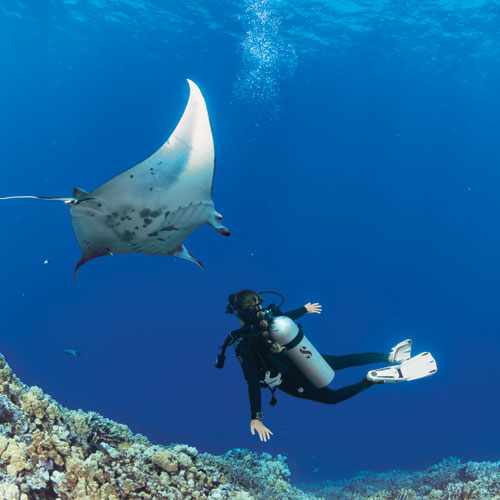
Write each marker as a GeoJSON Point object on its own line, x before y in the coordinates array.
{"type": "Point", "coordinates": [48, 452]}
{"type": "Point", "coordinates": [451, 479]}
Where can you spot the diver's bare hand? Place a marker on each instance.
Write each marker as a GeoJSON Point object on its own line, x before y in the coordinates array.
{"type": "Point", "coordinates": [313, 308]}
{"type": "Point", "coordinates": [263, 432]}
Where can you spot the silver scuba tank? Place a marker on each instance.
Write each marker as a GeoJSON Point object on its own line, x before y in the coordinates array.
{"type": "Point", "coordinates": [301, 352]}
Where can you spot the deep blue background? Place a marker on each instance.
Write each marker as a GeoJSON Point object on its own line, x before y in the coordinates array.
{"type": "Point", "coordinates": [368, 181]}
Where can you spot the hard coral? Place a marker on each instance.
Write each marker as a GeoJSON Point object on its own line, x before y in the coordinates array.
{"type": "Point", "coordinates": [449, 480]}
{"type": "Point", "coordinates": [50, 453]}
{"type": "Point", "coordinates": [12, 421]}
{"type": "Point", "coordinates": [7, 412]}
{"type": "Point", "coordinates": [264, 476]}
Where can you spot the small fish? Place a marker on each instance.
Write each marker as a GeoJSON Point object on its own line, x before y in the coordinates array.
{"type": "Point", "coordinates": [71, 352]}
{"type": "Point", "coordinates": [47, 261]}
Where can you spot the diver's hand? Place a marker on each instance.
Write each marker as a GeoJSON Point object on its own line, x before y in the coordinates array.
{"type": "Point", "coordinates": [263, 432]}
{"type": "Point", "coordinates": [313, 308]}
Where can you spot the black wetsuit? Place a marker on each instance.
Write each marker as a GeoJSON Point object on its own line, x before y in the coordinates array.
{"type": "Point", "coordinates": [256, 358]}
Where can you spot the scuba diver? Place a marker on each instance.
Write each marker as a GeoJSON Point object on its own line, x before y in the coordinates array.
{"type": "Point", "coordinates": [274, 353]}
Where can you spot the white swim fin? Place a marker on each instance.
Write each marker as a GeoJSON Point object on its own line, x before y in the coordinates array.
{"type": "Point", "coordinates": [400, 352]}
{"type": "Point", "coordinates": [420, 366]}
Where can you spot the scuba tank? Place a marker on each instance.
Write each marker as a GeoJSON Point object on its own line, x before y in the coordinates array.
{"type": "Point", "coordinates": [300, 351]}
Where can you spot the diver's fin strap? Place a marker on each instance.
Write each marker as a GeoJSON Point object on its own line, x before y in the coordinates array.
{"type": "Point", "coordinates": [297, 340]}
{"type": "Point", "coordinates": [221, 358]}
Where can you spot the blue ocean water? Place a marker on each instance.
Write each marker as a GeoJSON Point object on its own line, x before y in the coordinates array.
{"type": "Point", "coordinates": [357, 166]}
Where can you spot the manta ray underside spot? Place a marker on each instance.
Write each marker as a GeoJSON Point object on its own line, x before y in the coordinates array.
{"type": "Point", "coordinates": [152, 207]}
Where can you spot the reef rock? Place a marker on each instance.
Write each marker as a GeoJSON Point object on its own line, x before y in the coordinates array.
{"type": "Point", "coordinates": [48, 452]}
{"type": "Point", "coordinates": [449, 480]}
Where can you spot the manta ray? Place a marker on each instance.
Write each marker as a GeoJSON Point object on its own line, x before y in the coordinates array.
{"type": "Point", "coordinates": [152, 208]}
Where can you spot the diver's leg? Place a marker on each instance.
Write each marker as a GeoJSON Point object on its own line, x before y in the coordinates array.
{"type": "Point", "coordinates": [324, 395]}
{"type": "Point", "coordinates": [348, 360]}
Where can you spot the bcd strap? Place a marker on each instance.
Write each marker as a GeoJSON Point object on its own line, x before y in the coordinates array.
{"type": "Point", "coordinates": [297, 340]}
{"type": "Point", "coordinates": [273, 399]}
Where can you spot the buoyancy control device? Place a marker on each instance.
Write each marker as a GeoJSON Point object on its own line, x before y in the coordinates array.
{"type": "Point", "coordinates": [285, 332]}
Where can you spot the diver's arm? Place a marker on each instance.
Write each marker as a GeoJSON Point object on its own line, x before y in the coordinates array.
{"type": "Point", "coordinates": [249, 368]}
{"type": "Point", "coordinates": [296, 313]}
{"type": "Point", "coordinates": [307, 309]}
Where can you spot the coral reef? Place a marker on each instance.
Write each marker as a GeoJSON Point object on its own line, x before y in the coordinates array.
{"type": "Point", "coordinates": [449, 480]}
{"type": "Point", "coordinates": [48, 452]}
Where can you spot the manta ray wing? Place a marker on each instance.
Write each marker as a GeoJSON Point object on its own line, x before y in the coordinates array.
{"type": "Point", "coordinates": [183, 168]}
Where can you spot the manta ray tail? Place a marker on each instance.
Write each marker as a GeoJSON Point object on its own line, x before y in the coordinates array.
{"type": "Point", "coordinates": [68, 201]}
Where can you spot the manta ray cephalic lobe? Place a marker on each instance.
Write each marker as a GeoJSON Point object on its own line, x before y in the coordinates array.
{"type": "Point", "coordinates": [152, 208]}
